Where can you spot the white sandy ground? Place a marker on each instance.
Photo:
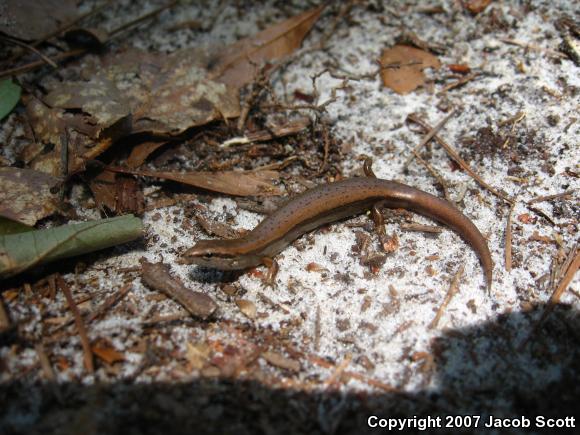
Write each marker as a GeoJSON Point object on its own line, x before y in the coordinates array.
{"type": "Point", "coordinates": [371, 118]}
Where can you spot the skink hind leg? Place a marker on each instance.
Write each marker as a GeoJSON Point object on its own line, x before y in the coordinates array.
{"type": "Point", "coordinates": [272, 265]}
{"type": "Point", "coordinates": [376, 214]}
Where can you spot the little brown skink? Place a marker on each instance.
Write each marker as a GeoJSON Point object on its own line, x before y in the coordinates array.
{"type": "Point", "coordinates": [328, 203]}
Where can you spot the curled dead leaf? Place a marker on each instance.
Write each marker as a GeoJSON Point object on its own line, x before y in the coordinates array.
{"type": "Point", "coordinates": [25, 195]}
{"type": "Point", "coordinates": [239, 62]}
{"type": "Point", "coordinates": [239, 183]}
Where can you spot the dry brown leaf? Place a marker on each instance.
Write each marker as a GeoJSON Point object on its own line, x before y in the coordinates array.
{"type": "Point", "coordinates": [476, 6]}
{"type": "Point", "coordinates": [125, 93]}
{"type": "Point", "coordinates": [239, 183]}
{"type": "Point", "coordinates": [33, 19]}
{"type": "Point", "coordinates": [238, 64]}
{"type": "Point", "coordinates": [408, 77]}
{"type": "Point", "coordinates": [141, 152]}
{"type": "Point", "coordinates": [25, 195]}
{"type": "Point", "coordinates": [183, 96]}
{"type": "Point", "coordinates": [107, 353]}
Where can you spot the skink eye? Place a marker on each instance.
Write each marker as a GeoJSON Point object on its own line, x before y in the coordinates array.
{"type": "Point", "coordinates": [207, 256]}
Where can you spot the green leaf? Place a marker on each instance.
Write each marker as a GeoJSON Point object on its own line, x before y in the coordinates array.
{"type": "Point", "coordinates": [22, 251]}
{"type": "Point", "coordinates": [8, 226]}
{"type": "Point", "coordinates": [9, 96]}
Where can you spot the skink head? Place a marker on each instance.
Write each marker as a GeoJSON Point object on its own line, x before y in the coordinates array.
{"type": "Point", "coordinates": [216, 254]}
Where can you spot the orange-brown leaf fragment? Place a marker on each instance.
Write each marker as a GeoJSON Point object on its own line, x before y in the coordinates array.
{"type": "Point", "coordinates": [107, 353]}
{"type": "Point", "coordinates": [25, 195]}
{"type": "Point", "coordinates": [238, 64]}
{"type": "Point", "coordinates": [476, 6]}
{"type": "Point", "coordinates": [409, 76]}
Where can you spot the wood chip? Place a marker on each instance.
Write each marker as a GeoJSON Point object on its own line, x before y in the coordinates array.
{"type": "Point", "coordinates": [248, 308]}
{"type": "Point", "coordinates": [281, 361]}
{"type": "Point", "coordinates": [158, 277]}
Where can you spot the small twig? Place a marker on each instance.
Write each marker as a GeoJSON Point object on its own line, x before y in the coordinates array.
{"type": "Point", "coordinates": [566, 195]}
{"type": "Point", "coordinates": [338, 370]}
{"type": "Point", "coordinates": [420, 227]}
{"type": "Point", "coordinates": [432, 132]}
{"type": "Point", "coordinates": [45, 58]}
{"type": "Point", "coordinates": [570, 267]}
{"type": "Point", "coordinates": [458, 83]}
{"type": "Point", "coordinates": [38, 63]}
{"type": "Point", "coordinates": [110, 301]}
{"type": "Point", "coordinates": [453, 288]}
{"type": "Point", "coordinates": [141, 18]}
{"type": "Point", "coordinates": [514, 120]}
{"type": "Point", "coordinates": [533, 47]}
{"type": "Point", "coordinates": [44, 361]}
{"type": "Point", "coordinates": [349, 374]}
{"type": "Point", "coordinates": [317, 329]}
{"type": "Point", "coordinates": [508, 239]}
{"type": "Point", "coordinates": [541, 214]}
{"type": "Point", "coordinates": [433, 172]}
{"type": "Point", "coordinates": [455, 157]}
{"type": "Point", "coordinates": [273, 304]}
{"type": "Point", "coordinates": [88, 353]}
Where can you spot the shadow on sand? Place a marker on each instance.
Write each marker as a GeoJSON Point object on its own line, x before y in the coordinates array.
{"type": "Point", "coordinates": [543, 379]}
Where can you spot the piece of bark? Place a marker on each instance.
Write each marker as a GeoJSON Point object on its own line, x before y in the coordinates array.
{"type": "Point", "coordinates": [158, 277]}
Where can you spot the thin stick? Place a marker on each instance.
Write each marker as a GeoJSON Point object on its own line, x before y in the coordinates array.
{"type": "Point", "coordinates": [317, 329]}
{"type": "Point", "coordinates": [456, 84]}
{"type": "Point", "coordinates": [339, 370]}
{"type": "Point", "coordinates": [45, 363]}
{"type": "Point", "coordinates": [38, 63]}
{"type": "Point", "coordinates": [455, 157]}
{"type": "Point", "coordinates": [432, 132]}
{"type": "Point", "coordinates": [508, 239]}
{"type": "Point", "coordinates": [433, 172]}
{"type": "Point", "coordinates": [565, 195]}
{"type": "Point", "coordinates": [109, 302]}
{"type": "Point", "coordinates": [534, 47]}
{"type": "Point", "coordinates": [360, 377]}
{"type": "Point", "coordinates": [572, 264]}
{"type": "Point", "coordinates": [453, 288]}
{"type": "Point", "coordinates": [142, 18]}
{"type": "Point", "coordinates": [420, 227]}
{"type": "Point", "coordinates": [45, 58]}
{"type": "Point", "coordinates": [88, 353]}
